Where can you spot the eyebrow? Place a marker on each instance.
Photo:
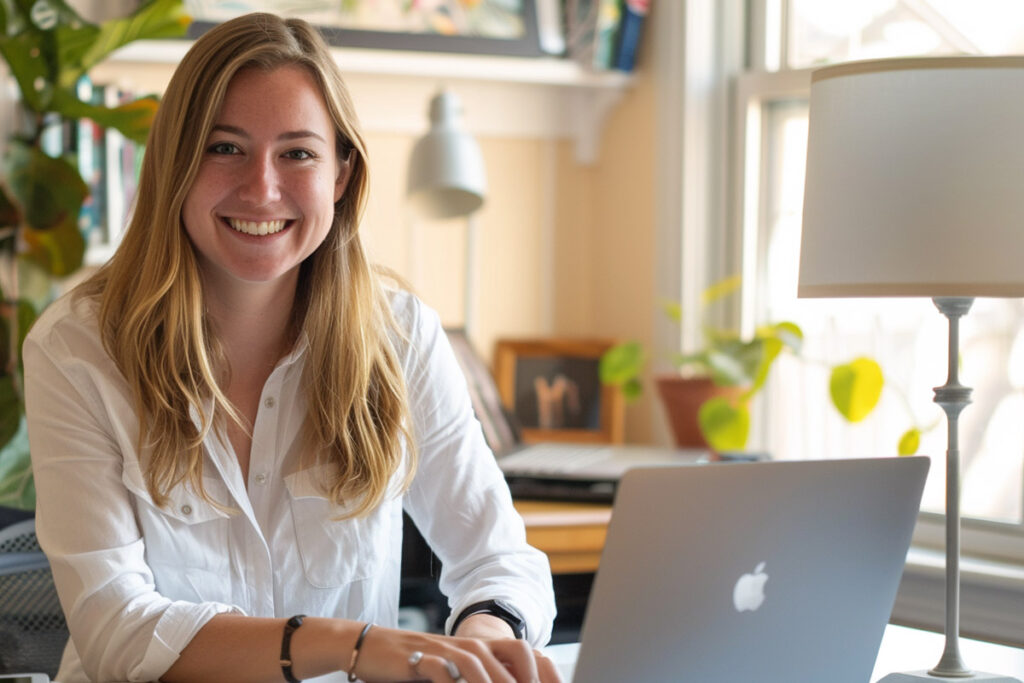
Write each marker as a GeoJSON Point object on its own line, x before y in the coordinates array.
{"type": "Point", "coordinates": [288, 135]}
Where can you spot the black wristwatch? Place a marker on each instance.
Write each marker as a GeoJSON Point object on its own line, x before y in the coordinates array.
{"type": "Point", "coordinates": [496, 608]}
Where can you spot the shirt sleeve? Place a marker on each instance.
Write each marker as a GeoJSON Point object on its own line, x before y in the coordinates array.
{"type": "Point", "coordinates": [459, 499]}
{"type": "Point", "coordinates": [121, 627]}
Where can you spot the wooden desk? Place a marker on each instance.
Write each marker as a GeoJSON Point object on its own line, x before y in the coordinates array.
{"type": "Point", "coordinates": [903, 649]}
{"type": "Point", "coordinates": [571, 534]}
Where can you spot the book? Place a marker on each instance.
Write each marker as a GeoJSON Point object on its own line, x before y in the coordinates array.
{"type": "Point", "coordinates": [634, 13]}
{"type": "Point", "coordinates": [591, 28]}
{"type": "Point", "coordinates": [609, 12]}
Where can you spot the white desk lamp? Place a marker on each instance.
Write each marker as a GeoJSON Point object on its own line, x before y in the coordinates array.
{"type": "Point", "coordinates": [447, 180]}
{"type": "Point", "coordinates": [915, 187]}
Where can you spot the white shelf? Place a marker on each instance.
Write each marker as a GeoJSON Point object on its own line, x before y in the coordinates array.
{"type": "Point", "coordinates": [502, 96]}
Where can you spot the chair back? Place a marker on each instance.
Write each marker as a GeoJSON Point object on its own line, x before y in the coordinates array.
{"type": "Point", "coordinates": [33, 632]}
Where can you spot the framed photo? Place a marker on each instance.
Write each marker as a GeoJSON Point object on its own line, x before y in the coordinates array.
{"type": "Point", "coordinates": [501, 27]}
{"type": "Point", "coordinates": [553, 389]}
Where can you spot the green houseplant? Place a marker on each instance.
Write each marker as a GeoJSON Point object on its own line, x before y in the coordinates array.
{"type": "Point", "coordinates": [48, 48]}
{"type": "Point", "coordinates": [740, 366]}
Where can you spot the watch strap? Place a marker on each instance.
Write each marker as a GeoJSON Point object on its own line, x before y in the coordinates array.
{"type": "Point", "coordinates": [496, 608]}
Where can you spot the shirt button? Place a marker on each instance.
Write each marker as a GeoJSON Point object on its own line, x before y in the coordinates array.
{"type": "Point", "coordinates": [261, 479]}
{"type": "Point", "coordinates": [186, 509]}
{"type": "Point", "coordinates": [269, 402]}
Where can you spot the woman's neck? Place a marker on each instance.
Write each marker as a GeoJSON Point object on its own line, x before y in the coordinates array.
{"type": "Point", "coordinates": [253, 322]}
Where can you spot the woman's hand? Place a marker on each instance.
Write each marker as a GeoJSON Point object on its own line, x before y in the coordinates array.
{"type": "Point", "coordinates": [396, 655]}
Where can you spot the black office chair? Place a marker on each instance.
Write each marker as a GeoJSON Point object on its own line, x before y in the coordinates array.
{"type": "Point", "coordinates": [32, 627]}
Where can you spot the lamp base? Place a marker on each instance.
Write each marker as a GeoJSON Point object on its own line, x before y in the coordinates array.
{"type": "Point", "coordinates": [923, 676]}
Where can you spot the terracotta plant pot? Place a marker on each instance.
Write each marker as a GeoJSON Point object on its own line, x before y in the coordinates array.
{"type": "Point", "coordinates": [682, 398]}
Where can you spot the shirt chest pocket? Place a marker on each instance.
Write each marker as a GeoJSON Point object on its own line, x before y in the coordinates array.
{"type": "Point", "coordinates": [189, 531]}
{"type": "Point", "coordinates": [335, 552]}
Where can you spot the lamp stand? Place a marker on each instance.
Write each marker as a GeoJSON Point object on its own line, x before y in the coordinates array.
{"type": "Point", "coordinates": [469, 292]}
{"type": "Point", "coordinates": [953, 398]}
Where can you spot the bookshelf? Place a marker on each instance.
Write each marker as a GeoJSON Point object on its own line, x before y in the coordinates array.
{"type": "Point", "coordinates": [514, 97]}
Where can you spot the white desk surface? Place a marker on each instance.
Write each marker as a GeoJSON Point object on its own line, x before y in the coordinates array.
{"type": "Point", "coordinates": [903, 649]}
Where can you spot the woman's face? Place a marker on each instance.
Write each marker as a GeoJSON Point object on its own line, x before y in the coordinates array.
{"type": "Point", "coordinates": [263, 199]}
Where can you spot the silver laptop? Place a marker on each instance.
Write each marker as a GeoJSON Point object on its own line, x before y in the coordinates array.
{"type": "Point", "coordinates": [767, 572]}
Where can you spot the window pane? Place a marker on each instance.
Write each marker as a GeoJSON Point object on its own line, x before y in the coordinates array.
{"type": "Point", "coordinates": [908, 337]}
{"type": "Point", "coordinates": [829, 31]}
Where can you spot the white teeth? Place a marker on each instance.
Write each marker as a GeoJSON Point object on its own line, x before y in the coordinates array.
{"type": "Point", "coordinates": [256, 227]}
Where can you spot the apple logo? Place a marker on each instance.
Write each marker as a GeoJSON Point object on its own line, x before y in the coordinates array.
{"type": "Point", "coordinates": [748, 594]}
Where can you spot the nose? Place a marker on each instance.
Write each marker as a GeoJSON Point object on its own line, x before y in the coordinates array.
{"type": "Point", "coordinates": [260, 182]}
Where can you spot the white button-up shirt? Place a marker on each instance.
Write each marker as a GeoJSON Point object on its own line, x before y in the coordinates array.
{"type": "Point", "coordinates": [137, 581]}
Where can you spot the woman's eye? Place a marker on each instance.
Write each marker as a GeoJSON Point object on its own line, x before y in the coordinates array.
{"type": "Point", "coordinates": [222, 148]}
{"type": "Point", "coordinates": [300, 154]}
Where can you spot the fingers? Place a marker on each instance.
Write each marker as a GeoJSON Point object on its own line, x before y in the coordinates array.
{"type": "Point", "coordinates": [516, 656]}
{"type": "Point", "coordinates": [392, 655]}
{"type": "Point", "coordinates": [452, 667]}
{"type": "Point", "coordinates": [547, 672]}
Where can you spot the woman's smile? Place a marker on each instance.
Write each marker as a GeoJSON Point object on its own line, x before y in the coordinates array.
{"type": "Point", "coordinates": [258, 227]}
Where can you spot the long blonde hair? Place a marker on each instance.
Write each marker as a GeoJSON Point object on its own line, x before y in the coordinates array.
{"type": "Point", "coordinates": [151, 296]}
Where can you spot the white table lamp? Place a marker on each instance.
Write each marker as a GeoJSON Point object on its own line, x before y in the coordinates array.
{"type": "Point", "coordinates": [446, 179]}
{"type": "Point", "coordinates": [915, 187]}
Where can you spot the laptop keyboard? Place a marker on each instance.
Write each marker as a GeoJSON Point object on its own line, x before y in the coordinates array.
{"type": "Point", "coordinates": [554, 458]}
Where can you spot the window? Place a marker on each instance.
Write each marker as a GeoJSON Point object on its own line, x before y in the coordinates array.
{"type": "Point", "coordinates": [907, 337]}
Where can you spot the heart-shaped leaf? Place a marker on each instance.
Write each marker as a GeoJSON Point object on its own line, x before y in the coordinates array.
{"type": "Point", "coordinates": [621, 363]}
{"type": "Point", "coordinates": [910, 442]}
{"type": "Point", "coordinates": [725, 424]}
{"type": "Point", "coordinates": [856, 387]}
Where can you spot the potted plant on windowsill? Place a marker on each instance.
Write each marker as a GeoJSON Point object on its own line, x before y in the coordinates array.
{"type": "Point", "coordinates": [708, 400]}
{"type": "Point", "coordinates": [47, 49]}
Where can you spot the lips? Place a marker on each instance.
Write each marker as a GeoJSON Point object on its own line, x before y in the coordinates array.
{"type": "Point", "coordinates": [258, 228]}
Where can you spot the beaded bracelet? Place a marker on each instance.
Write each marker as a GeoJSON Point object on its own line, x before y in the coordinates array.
{"type": "Point", "coordinates": [355, 653]}
{"type": "Point", "coordinates": [286, 647]}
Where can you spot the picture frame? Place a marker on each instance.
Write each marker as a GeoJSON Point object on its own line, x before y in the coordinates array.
{"type": "Point", "coordinates": [511, 32]}
{"type": "Point", "coordinates": [553, 389]}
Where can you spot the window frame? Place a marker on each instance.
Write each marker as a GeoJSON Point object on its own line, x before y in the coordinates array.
{"type": "Point", "coordinates": [992, 572]}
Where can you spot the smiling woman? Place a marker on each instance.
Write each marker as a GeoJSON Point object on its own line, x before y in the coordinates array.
{"type": "Point", "coordinates": [247, 406]}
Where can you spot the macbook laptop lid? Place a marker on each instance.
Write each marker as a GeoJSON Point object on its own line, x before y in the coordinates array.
{"type": "Point", "coordinates": [767, 572]}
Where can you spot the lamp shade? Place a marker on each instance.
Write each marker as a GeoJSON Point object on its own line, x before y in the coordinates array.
{"type": "Point", "coordinates": [915, 179]}
{"type": "Point", "coordinates": [446, 172]}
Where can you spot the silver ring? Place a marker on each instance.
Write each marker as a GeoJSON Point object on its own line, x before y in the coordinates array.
{"type": "Point", "coordinates": [453, 670]}
{"type": "Point", "coordinates": [414, 661]}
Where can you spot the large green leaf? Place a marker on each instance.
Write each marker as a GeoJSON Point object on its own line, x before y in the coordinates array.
{"type": "Point", "coordinates": [133, 118]}
{"type": "Point", "coordinates": [16, 486]}
{"type": "Point", "coordinates": [30, 44]}
{"type": "Point", "coordinates": [81, 50]}
{"type": "Point", "coordinates": [24, 316]}
{"type": "Point", "coordinates": [10, 408]}
{"type": "Point", "coordinates": [10, 216]}
{"type": "Point", "coordinates": [24, 54]}
{"type": "Point", "coordinates": [59, 250]}
{"type": "Point", "coordinates": [725, 423]}
{"type": "Point", "coordinates": [49, 190]}
{"type": "Point", "coordinates": [856, 387]}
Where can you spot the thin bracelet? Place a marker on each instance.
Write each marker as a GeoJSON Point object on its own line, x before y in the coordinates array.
{"type": "Point", "coordinates": [355, 653]}
{"type": "Point", "coordinates": [286, 647]}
